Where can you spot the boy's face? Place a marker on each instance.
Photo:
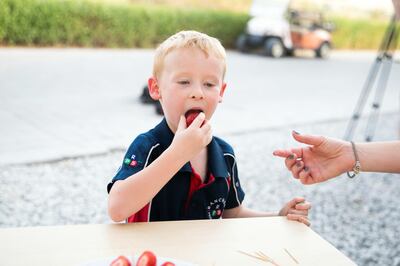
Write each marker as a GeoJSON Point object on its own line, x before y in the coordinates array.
{"type": "Point", "coordinates": [189, 81]}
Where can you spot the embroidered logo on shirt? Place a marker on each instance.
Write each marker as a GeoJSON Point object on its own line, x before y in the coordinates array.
{"type": "Point", "coordinates": [215, 208]}
{"type": "Point", "coordinates": [131, 162]}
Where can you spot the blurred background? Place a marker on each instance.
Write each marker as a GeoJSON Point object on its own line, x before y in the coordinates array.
{"type": "Point", "coordinates": [72, 75]}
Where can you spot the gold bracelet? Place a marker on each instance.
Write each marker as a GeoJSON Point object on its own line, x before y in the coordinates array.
{"type": "Point", "coordinates": [357, 166]}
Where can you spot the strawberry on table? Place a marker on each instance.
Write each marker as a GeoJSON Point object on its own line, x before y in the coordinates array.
{"type": "Point", "coordinates": [121, 261]}
{"type": "Point", "coordinates": [168, 263]}
{"type": "Point", "coordinates": [147, 259]}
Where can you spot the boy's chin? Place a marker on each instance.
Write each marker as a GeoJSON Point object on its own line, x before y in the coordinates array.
{"type": "Point", "coordinates": [173, 125]}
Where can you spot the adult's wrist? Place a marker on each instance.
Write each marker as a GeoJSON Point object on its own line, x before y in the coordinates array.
{"type": "Point", "coordinates": [357, 165]}
{"type": "Point", "coordinates": [349, 155]}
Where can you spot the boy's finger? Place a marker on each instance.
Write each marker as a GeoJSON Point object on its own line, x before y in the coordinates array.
{"type": "Point", "coordinates": [299, 218]}
{"type": "Point", "coordinates": [206, 126]}
{"type": "Point", "coordinates": [299, 200]}
{"type": "Point", "coordinates": [198, 121]}
{"type": "Point", "coordinates": [297, 212]}
{"type": "Point", "coordinates": [293, 217]}
{"type": "Point", "coordinates": [303, 206]}
{"type": "Point", "coordinates": [209, 138]}
{"type": "Point", "coordinates": [295, 201]}
{"type": "Point", "coordinates": [181, 124]}
{"type": "Point", "coordinates": [304, 220]}
{"type": "Point", "coordinates": [308, 139]}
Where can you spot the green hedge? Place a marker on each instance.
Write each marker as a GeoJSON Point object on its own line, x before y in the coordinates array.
{"type": "Point", "coordinates": [72, 23]}
{"type": "Point", "coordinates": [358, 33]}
{"type": "Point", "coordinates": [88, 24]}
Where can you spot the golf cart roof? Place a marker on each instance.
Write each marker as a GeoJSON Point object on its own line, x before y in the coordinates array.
{"type": "Point", "coordinates": [269, 8]}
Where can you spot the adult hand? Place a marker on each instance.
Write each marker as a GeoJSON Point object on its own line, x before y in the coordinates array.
{"type": "Point", "coordinates": [323, 159]}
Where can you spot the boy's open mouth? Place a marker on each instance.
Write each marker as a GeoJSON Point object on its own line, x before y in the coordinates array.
{"type": "Point", "coordinates": [191, 115]}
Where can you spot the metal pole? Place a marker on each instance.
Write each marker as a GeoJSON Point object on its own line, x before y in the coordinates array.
{"type": "Point", "coordinates": [379, 93]}
{"type": "Point", "coordinates": [386, 44]}
{"type": "Point", "coordinates": [351, 126]}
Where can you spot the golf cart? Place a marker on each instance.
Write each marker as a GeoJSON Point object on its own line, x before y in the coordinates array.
{"type": "Point", "coordinates": [277, 30]}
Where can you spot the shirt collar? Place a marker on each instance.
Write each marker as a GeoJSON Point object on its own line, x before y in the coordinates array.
{"type": "Point", "coordinates": [216, 160]}
{"type": "Point", "coordinates": [163, 134]}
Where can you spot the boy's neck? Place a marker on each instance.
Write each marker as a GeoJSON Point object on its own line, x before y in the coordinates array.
{"type": "Point", "coordinates": [199, 163]}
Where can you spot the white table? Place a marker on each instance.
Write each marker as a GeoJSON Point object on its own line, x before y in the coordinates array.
{"type": "Point", "coordinates": [204, 242]}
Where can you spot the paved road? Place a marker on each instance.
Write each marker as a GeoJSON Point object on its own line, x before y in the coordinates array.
{"type": "Point", "coordinates": [57, 103]}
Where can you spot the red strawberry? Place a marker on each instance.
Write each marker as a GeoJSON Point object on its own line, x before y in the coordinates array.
{"type": "Point", "coordinates": [191, 115]}
{"type": "Point", "coordinates": [121, 261]}
{"type": "Point", "coordinates": [147, 259]}
{"type": "Point", "coordinates": [167, 263]}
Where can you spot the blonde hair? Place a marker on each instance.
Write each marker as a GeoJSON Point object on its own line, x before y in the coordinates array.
{"type": "Point", "coordinates": [188, 39]}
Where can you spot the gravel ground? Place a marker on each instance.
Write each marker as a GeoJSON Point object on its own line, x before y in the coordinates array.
{"type": "Point", "coordinates": [359, 216]}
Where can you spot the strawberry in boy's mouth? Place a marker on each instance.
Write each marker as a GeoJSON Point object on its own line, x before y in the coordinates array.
{"type": "Point", "coordinates": [191, 115]}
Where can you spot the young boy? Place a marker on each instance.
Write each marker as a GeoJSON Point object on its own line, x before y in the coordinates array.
{"type": "Point", "coordinates": [178, 170]}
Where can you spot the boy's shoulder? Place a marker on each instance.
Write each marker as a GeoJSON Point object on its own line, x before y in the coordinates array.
{"type": "Point", "coordinates": [153, 136]}
{"type": "Point", "coordinates": [142, 144]}
{"type": "Point", "coordinates": [146, 139]}
{"type": "Point", "coordinates": [225, 146]}
{"type": "Point", "coordinates": [160, 135]}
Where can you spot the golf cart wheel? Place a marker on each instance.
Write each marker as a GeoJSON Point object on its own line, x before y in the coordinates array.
{"type": "Point", "coordinates": [323, 51]}
{"type": "Point", "coordinates": [274, 48]}
{"type": "Point", "coordinates": [289, 52]}
{"type": "Point", "coordinates": [241, 43]}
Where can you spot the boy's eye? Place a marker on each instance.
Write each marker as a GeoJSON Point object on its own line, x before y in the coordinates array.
{"type": "Point", "coordinates": [208, 84]}
{"type": "Point", "coordinates": [183, 82]}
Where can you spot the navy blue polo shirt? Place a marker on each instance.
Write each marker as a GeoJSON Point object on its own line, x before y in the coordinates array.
{"type": "Point", "coordinates": [177, 200]}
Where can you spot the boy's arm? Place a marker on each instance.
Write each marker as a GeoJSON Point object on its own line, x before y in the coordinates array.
{"type": "Point", "coordinates": [130, 195]}
{"type": "Point", "coordinates": [295, 210]}
{"type": "Point", "coordinates": [244, 212]}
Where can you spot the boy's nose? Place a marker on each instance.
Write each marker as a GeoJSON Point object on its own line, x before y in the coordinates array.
{"type": "Point", "coordinates": [197, 92]}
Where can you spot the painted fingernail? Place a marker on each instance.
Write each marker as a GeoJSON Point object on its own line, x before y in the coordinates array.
{"type": "Point", "coordinates": [295, 132]}
{"type": "Point", "coordinates": [306, 169]}
{"type": "Point", "coordinates": [291, 157]}
{"type": "Point", "coordinates": [298, 164]}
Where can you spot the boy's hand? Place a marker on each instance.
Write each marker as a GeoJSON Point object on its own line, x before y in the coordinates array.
{"type": "Point", "coordinates": [189, 141]}
{"type": "Point", "coordinates": [297, 210]}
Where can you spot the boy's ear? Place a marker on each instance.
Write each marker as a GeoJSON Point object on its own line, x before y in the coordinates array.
{"type": "Point", "coordinates": [154, 90]}
{"type": "Point", "coordinates": [221, 92]}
